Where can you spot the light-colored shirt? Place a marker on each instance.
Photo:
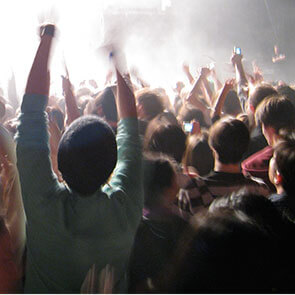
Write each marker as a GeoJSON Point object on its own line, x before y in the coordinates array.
{"type": "Point", "coordinates": [68, 233]}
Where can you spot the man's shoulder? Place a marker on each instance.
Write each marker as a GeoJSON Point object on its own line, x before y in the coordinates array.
{"type": "Point", "coordinates": [259, 160]}
{"type": "Point", "coordinates": [220, 183]}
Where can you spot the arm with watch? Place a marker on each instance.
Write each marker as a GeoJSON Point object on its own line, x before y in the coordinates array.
{"type": "Point", "coordinates": [33, 153]}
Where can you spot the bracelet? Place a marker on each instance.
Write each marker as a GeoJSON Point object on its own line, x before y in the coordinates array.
{"type": "Point", "coordinates": [48, 30]}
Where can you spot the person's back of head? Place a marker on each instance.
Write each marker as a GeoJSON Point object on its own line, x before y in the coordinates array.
{"type": "Point", "coordinates": [259, 94]}
{"type": "Point", "coordinates": [277, 112]}
{"type": "Point", "coordinates": [265, 215]}
{"type": "Point", "coordinates": [189, 113]}
{"type": "Point", "coordinates": [229, 138]}
{"type": "Point", "coordinates": [107, 102]}
{"type": "Point", "coordinates": [166, 138]}
{"type": "Point", "coordinates": [198, 154]}
{"type": "Point", "coordinates": [227, 253]}
{"type": "Point", "coordinates": [149, 104]}
{"type": "Point", "coordinates": [288, 92]}
{"type": "Point", "coordinates": [167, 117]}
{"type": "Point", "coordinates": [159, 175]}
{"type": "Point", "coordinates": [255, 206]}
{"type": "Point", "coordinates": [87, 154]}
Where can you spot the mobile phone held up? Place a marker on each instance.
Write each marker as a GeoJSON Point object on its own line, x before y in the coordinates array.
{"type": "Point", "coordinates": [187, 127]}
{"type": "Point", "coordinates": [237, 50]}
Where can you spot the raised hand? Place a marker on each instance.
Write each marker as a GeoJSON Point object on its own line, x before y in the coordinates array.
{"type": "Point", "coordinates": [229, 84]}
{"type": "Point", "coordinates": [205, 72]}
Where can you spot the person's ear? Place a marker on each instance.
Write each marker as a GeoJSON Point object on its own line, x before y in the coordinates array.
{"type": "Point", "coordinates": [252, 109]}
{"type": "Point", "coordinates": [140, 111]}
{"type": "Point", "coordinates": [278, 179]}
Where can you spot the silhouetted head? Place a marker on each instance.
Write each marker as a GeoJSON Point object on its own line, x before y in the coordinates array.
{"type": "Point", "coordinates": [259, 94]}
{"type": "Point", "coordinates": [87, 154]}
{"type": "Point", "coordinates": [163, 137]}
{"type": "Point", "coordinates": [199, 154]}
{"type": "Point", "coordinates": [229, 138]}
{"type": "Point", "coordinates": [149, 104]}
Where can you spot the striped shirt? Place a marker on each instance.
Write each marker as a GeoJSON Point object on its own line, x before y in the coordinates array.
{"type": "Point", "coordinates": [201, 191]}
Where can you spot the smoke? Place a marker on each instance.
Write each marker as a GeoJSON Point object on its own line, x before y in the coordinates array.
{"type": "Point", "coordinates": [158, 36]}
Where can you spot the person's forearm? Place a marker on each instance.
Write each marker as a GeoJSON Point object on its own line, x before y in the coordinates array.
{"type": "Point", "coordinates": [38, 80]}
{"type": "Point", "coordinates": [190, 77]}
{"type": "Point", "coordinates": [217, 83]}
{"type": "Point", "coordinates": [220, 102]}
{"type": "Point", "coordinates": [240, 74]}
{"type": "Point", "coordinates": [72, 110]}
{"type": "Point", "coordinates": [125, 99]}
{"type": "Point", "coordinates": [207, 92]}
{"type": "Point", "coordinates": [192, 97]}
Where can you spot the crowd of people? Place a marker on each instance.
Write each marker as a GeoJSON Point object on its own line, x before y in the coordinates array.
{"type": "Point", "coordinates": [115, 189]}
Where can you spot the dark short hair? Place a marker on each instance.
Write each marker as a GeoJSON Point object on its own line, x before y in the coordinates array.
{"type": "Point", "coordinates": [106, 99]}
{"type": "Point", "coordinates": [198, 154]}
{"type": "Point", "coordinates": [253, 205]}
{"type": "Point", "coordinates": [189, 113]}
{"type": "Point", "coordinates": [260, 93]}
{"type": "Point", "coordinates": [87, 154]}
{"type": "Point", "coordinates": [166, 138]}
{"type": "Point", "coordinates": [226, 254]}
{"type": "Point", "coordinates": [288, 92]}
{"type": "Point", "coordinates": [159, 171]}
{"type": "Point", "coordinates": [229, 137]}
{"type": "Point", "coordinates": [151, 102]}
{"type": "Point", "coordinates": [277, 112]}
{"type": "Point", "coordinates": [284, 152]}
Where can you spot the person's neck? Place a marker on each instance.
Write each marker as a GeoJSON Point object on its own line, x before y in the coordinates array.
{"type": "Point", "coordinates": [280, 190]}
{"type": "Point", "coordinates": [229, 168]}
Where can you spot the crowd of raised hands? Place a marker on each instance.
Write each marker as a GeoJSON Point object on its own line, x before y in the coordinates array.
{"type": "Point", "coordinates": [117, 187]}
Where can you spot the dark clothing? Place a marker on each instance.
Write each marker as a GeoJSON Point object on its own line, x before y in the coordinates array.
{"type": "Point", "coordinates": [154, 245]}
{"type": "Point", "coordinates": [257, 142]}
{"type": "Point", "coordinates": [285, 204]}
{"type": "Point", "coordinates": [201, 191]}
{"type": "Point", "coordinates": [257, 166]}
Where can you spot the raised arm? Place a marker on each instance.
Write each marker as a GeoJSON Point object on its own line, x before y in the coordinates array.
{"type": "Point", "coordinates": [128, 172]}
{"type": "Point", "coordinates": [72, 111]}
{"type": "Point", "coordinates": [33, 154]}
{"type": "Point", "coordinates": [207, 92]}
{"type": "Point", "coordinates": [217, 83]}
{"type": "Point", "coordinates": [193, 95]}
{"type": "Point", "coordinates": [240, 78]}
{"type": "Point", "coordinates": [228, 85]}
{"type": "Point", "coordinates": [186, 70]}
{"type": "Point", "coordinates": [126, 101]}
{"type": "Point", "coordinates": [39, 80]}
